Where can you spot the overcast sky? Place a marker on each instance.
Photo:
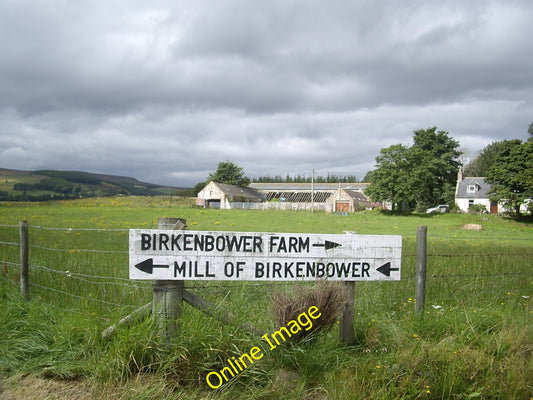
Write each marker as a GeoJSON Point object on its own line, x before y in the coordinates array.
{"type": "Point", "coordinates": [163, 90]}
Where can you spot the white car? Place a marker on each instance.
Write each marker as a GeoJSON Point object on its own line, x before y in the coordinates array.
{"type": "Point", "coordinates": [442, 208]}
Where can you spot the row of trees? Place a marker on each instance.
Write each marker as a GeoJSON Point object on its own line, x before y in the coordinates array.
{"type": "Point", "coordinates": [50, 184]}
{"type": "Point", "coordinates": [230, 173]}
{"type": "Point", "coordinates": [39, 196]}
{"type": "Point", "coordinates": [330, 178]}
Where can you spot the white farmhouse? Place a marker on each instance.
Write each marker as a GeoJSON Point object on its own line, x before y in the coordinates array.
{"type": "Point", "coordinates": [470, 191]}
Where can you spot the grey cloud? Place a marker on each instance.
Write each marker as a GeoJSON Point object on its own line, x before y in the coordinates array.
{"type": "Point", "coordinates": [165, 90]}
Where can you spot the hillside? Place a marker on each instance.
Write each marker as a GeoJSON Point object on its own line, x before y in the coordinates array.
{"type": "Point", "coordinates": [42, 185]}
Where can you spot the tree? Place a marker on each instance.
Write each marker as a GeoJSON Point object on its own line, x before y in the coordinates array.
{"type": "Point", "coordinates": [198, 188]}
{"type": "Point", "coordinates": [436, 165]}
{"type": "Point", "coordinates": [229, 173]}
{"type": "Point", "coordinates": [385, 181]}
{"type": "Point", "coordinates": [421, 175]}
{"type": "Point", "coordinates": [481, 165]}
{"type": "Point", "coordinates": [511, 176]}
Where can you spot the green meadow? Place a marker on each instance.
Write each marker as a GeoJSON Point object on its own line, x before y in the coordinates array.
{"type": "Point", "coordinates": [473, 340]}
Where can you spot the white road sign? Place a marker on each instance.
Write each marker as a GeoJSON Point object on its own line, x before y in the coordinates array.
{"type": "Point", "coordinates": [202, 255]}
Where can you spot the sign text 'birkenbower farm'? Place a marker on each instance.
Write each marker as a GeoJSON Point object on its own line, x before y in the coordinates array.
{"type": "Point", "coordinates": [202, 255]}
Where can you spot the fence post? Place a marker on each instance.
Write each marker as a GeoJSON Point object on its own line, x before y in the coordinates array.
{"type": "Point", "coordinates": [168, 300]}
{"type": "Point", "coordinates": [421, 260]}
{"type": "Point", "coordinates": [168, 294]}
{"type": "Point", "coordinates": [24, 273]}
{"type": "Point", "coordinates": [346, 331]}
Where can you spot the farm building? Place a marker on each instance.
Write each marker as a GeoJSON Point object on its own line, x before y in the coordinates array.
{"type": "Point", "coordinates": [286, 196]}
{"type": "Point", "coordinates": [220, 195]}
{"type": "Point", "coordinates": [348, 200]}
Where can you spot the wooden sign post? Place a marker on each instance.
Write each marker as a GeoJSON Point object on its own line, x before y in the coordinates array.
{"type": "Point", "coordinates": [169, 255]}
{"type": "Point", "coordinates": [168, 294]}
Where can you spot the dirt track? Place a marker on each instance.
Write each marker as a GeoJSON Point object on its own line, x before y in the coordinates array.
{"type": "Point", "coordinates": [31, 388]}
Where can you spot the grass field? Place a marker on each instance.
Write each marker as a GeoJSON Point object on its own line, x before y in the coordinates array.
{"type": "Point", "coordinates": [475, 339]}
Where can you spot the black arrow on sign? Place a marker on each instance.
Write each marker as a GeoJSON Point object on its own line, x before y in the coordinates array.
{"type": "Point", "coordinates": [386, 269]}
{"type": "Point", "coordinates": [148, 266]}
{"type": "Point", "coordinates": [327, 245]}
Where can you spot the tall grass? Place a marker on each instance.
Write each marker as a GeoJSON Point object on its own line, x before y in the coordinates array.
{"type": "Point", "coordinates": [473, 341]}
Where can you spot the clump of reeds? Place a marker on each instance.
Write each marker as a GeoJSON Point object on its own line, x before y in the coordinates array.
{"type": "Point", "coordinates": [327, 296]}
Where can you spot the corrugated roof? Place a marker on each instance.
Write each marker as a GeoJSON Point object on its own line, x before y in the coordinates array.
{"type": "Point", "coordinates": [239, 191]}
{"type": "Point", "coordinates": [354, 194]}
{"type": "Point", "coordinates": [290, 187]}
{"type": "Point", "coordinates": [298, 197]}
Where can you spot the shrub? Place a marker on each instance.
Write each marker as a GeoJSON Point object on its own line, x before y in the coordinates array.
{"type": "Point", "coordinates": [477, 209]}
{"type": "Point", "coordinates": [326, 296]}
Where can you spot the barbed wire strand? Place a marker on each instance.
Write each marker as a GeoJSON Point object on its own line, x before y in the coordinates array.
{"type": "Point", "coordinates": [79, 250]}
{"type": "Point", "coordinates": [77, 274]}
{"type": "Point", "coordinates": [138, 284]}
{"type": "Point", "coordinates": [10, 243]}
{"type": "Point", "coordinates": [81, 297]}
{"type": "Point", "coordinates": [82, 229]}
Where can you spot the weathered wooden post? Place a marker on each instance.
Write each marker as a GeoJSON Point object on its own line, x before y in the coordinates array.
{"type": "Point", "coordinates": [168, 294]}
{"type": "Point", "coordinates": [166, 307]}
{"type": "Point", "coordinates": [421, 260]}
{"type": "Point", "coordinates": [24, 272]}
{"type": "Point", "coordinates": [176, 224]}
{"type": "Point", "coordinates": [346, 331]}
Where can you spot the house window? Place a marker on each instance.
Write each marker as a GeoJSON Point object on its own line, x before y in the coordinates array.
{"type": "Point", "coordinates": [470, 203]}
{"type": "Point", "coordinates": [471, 189]}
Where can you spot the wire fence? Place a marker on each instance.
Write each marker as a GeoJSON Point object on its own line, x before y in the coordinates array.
{"type": "Point", "coordinates": [86, 271]}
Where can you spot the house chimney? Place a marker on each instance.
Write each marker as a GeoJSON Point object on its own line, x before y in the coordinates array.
{"type": "Point", "coordinates": [459, 179]}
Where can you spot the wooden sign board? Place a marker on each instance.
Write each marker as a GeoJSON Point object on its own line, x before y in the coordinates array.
{"type": "Point", "coordinates": [258, 256]}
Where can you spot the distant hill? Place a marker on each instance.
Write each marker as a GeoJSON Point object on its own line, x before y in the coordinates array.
{"type": "Point", "coordinates": [42, 185]}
